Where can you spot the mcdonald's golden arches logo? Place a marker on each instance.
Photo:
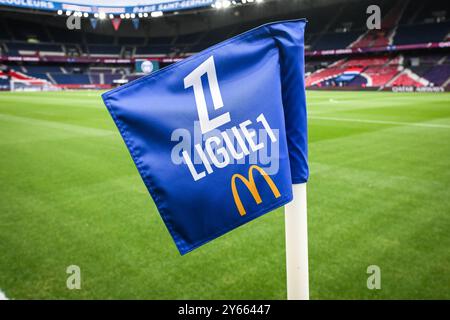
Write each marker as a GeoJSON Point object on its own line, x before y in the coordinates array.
{"type": "Point", "coordinates": [251, 186]}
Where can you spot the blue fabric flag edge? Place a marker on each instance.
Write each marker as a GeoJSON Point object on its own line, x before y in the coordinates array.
{"type": "Point", "coordinates": [180, 243]}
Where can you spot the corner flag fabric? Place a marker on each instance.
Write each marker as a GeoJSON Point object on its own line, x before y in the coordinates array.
{"type": "Point", "coordinates": [220, 137]}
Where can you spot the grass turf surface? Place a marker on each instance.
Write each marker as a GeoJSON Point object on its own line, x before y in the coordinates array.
{"type": "Point", "coordinates": [379, 193]}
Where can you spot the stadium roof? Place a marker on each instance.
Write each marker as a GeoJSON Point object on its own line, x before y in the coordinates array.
{"type": "Point", "coordinates": [116, 3]}
{"type": "Point", "coordinates": [114, 7]}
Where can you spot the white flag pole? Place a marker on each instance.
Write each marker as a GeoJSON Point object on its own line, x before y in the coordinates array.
{"type": "Point", "coordinates": [297, 245]}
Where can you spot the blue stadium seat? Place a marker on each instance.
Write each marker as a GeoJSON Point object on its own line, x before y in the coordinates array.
{"type": "Point", "coordinates": [154, 49]}
{"type": "Point", "coordinates": [42, 69]}
{"type": "Point", "coordinates": [189, 38]}
{"type": "Point", "coordinates": [39, 75]}
{"type": "Point", "coordinates": [104, 49]}
{"type": "Point", "coordinates": [62, 78]}
{"type": "Point", "coordinates": [92, 38]}
{"type": "Point", "coordinates": [23, 30]}
{"type": "Point", "coordinates": [335, 40]}
{"type": "Point", "coordinates": [421, 33]}
{"type": "Point", "coordinates": [63, 36]}
{"type": "Point", "coordinates": [15, 47]}
{"type": "Point", "coordinates": [131, 41]}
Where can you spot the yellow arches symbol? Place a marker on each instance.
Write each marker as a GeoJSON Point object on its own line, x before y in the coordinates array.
{"type": "Point", "coordinates": [251, 186]}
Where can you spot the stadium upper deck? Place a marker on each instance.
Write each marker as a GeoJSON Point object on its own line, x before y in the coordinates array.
{"type": "Point", "coordinates": [408, 24]}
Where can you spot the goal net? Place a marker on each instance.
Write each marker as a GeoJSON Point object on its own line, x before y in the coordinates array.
{"type": "Point", "coordinates": [31, 85]}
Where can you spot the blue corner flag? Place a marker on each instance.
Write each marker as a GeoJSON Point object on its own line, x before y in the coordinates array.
{"type": "Point", "coordinates": [220, 137]}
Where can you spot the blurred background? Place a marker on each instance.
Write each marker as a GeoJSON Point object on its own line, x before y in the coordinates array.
{"type": "Point", "coordinates": [379, 132]}
{"type": "Point", "coordinates": [114, 38]}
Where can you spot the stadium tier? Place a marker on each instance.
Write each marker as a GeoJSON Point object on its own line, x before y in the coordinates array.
{"type": "Point", "coordinates": [136, 133]}
{"type": "Point", "coordinates": [367, 58]}
{"type": "Point", "coordinates": [382, 72]}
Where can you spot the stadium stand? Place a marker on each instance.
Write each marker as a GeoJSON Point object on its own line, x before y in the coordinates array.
{"type": "Point", "coordinates": [378, 76]}
{"type": "Point", "coordinates": [338, 40]}
{"type": "Point", "coordinates": [403, 23]}
{"type": "Point", "coordinates": [422, 33]}
{"type": "Point", "coordinates": [133, 41]}
{"type": "Point", "coordinates": [62, 78]}
{"type": "Point", "coordinates": [324, 74]}
{"type": "Point", "coordinates": [25, 48]}
{"type": "Point", "coordinates": [438, 75]}
{"type": "Point", "coordinates": [152, 50]}
{"type": "Point", "coordinates": [408, 78]}
{"type": "Point", "coordinates": [365, 62]}
{"type": "Point", "coordinates": [103, 50]}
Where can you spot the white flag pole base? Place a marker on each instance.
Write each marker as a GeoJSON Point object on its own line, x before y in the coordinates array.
{"type": "Point", "coordinates": [297, 245]}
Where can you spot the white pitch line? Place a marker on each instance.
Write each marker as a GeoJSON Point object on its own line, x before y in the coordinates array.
{"type": "Point", "coordinates": [412, 124]}
{"type": "Point", "coordinates": [3, 296]}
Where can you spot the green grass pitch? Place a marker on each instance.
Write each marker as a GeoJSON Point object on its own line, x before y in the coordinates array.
{"type": "Point", "coordinates": [379, 194]}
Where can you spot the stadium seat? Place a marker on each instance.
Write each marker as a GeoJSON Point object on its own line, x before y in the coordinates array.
{"type": "Point", "coordinates": [438, 75]}
{"type": "Point", "coordinates": [380, 75]}
{"type": "Point", "coordinates": [62, 78]}
{"type": "Point", "coordinates": [104, 50]}
{"type": "Point", "coordinates": [408, 78]}
{"type": "Point", "coordinates": [26, 48]}
{"type": "Point", "coordinates": [335, 40]}
{"type": "Point", "coordinates": [153, 50]}
{"type": "Point", "coordinates": [421, 33]}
